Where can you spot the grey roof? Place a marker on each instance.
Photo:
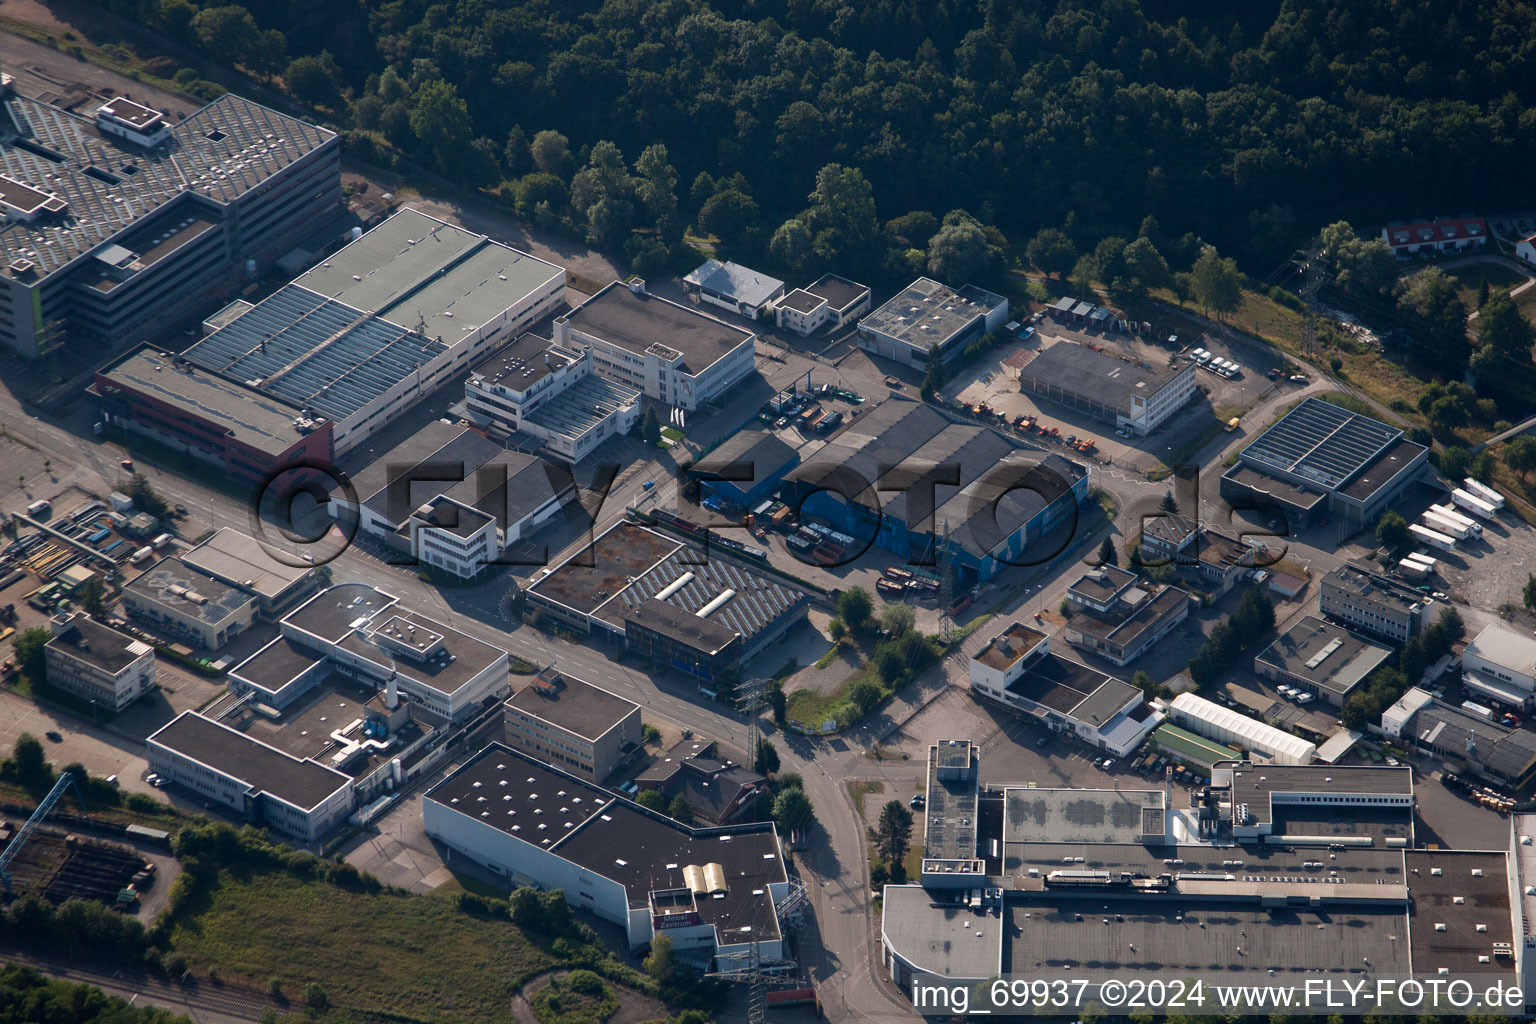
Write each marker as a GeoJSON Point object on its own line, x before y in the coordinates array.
{"type": "Point", "coordinates": [1169, 528]}
{"type": "Point", "coordinates": [682, 625]}
{"type": "Point", "coordinates": [801, 300]}
{"type": "Point", "coordinates": [1508, 753]}
{"type": "Point", "coordinates": [839, 292]}
{"type": "Point", "coordinates": [1078, 815]}
{"type": "Point", "coordinates": [457, 658]}
{"type": "Point", "coordinates": [1325, 654]}
{"type": "Point", "coordinates": [761, 450]}
{"type": "Point", "coordinates": [314, 352]}
{"type": "Point", "coordinates": [1073, 689]}
{"type": "Point", "coordinates": [337, 611]}
{"type": "Point", "coordinates": [583, 406]}
{"type": "Point", "coordinates": [1382, 471]}
{"type": "Point", "coordinates": [429, 276]}
{"type": "Point", "coordinates": [734, 281]}
{"type": "Point", "coordinates": [523, 363]}
{"type": "Point", "coordinates": [573, 705]}
{"type": "Point", "coordinates": [239, 560]}
{"type": "Point", "coordinates": [1321, 443]}
{"type": "Point", "coordinates": [1102, 583]}
{"type": "Point", "coordinates": [261, 421]}
{"type": "Point", "coordinates": [614, 839]}
{"type": "Point", "coordinates": [87, 640]}
{"type": "Point", "coordinates": [435, 443]}
{"type": "Point", "coordinates": [638, 323]}
{"type": "Point", "coordinates": [1107, 379]}
{"type": "Point", "coordinates": [173, 583]}
{"type": "Point", "coordinates": [1363, 580]}
{"type": "Point", "coordinates": [52, 150]}
{"type": "Point", "coordinates": [1260, 482]}
{"type": "Point", "coordinates": [277, 664]}
{"type": "Point", "coordinates": [1484, 901]}
{"type": "Point", "coordinates": [302, 783]}
{"type": "Point", "coordinates": [442, 513]}
{"type": "Point", "coordinates": [1499, 645]}
{"type": "Point", "coordinates": [1254, 785]}
{"type": "Point", "coordinates": [1124, 624]}
{"type": "Point", "coordinates": [925, 312]}
{"type": "Point", "coordinates": [950, 825]}
{"type": "Point", "coordinates": [942, 938]}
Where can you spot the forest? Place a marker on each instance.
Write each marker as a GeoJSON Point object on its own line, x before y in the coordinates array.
{"type": "Point", "coordinates": [1248, 126]}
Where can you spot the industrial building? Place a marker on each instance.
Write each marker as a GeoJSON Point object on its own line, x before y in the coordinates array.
{"type": "Point", "coordinates": [1128, 394]}
{"type": "Point", "coordinates": [1466, 742]}
{"type": "Point", "coordinates": [1270, 875]}
{"type": "Point", "coordinates": [1321, 459]}
{"type": "Point", "coordinates": [238, 560]}
{"type": "Point", "coordinates": [340, 351]}
{"type": "Point", "coordinates": [714, 891]}
{"type": "Point", "coordinates": [906, 479]}
{"type": "Point", "coordinates": [1359, 595]}
{"type": "Point", "coordinates": [716, 789]}
{"type": "Point", "coordinates": [1321, 658]}
{"type": "Point", "coordinates": [581, 728]}
{"type": "Point", "coordinates": [544, 397]}
{"type": "Point", "coordinates": [746, 467]}
{"type": "Point", "coordinates": [1209, 719]}
{"type": "Point", "coordinates": [362, 633]}
{"type": "Point", "coordinates": [122, 224]}
{"type": "Point", "coordinates": [1017, 670]}
{"type": "Point", "coordinates": [706, 616]}
{"type": "Point", "coordinates": [732, 286]}
{"type": "Point", "coordinates": [178, 602]}
{"type": "Point", "coordinates": [1190, 749]}
{"type": "Point", "coordinates": [658, 347]}
{"type": "Point", "coordinates": [454, 499]}
{"type": "Point", "coordinates": [926, 313]}
{"type": "Point", "coordinates": [1500, 664]}
{"type": "Point", "coordinates": [1117, 615]}
{"type": "Point", "coordinates": [97, 663]}
{"type": "Point", "coordinates": [832, 302]}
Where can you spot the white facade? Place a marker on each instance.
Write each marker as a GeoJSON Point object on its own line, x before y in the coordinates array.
{"type": "Point", "coordinates": [1525, 249]}
{"type": "Point", "coordinates": [98, 664]}
{"type": "Point", "coordinates": [1501, 664]}
{"type": "Point", "coordinates": [139, 124]}
{"type": "Point", "coordinates": [463, 552]}
{"type": "Point", "coordinates": [1224, 725]}
{"type": "Point", "coordinates": [732, 286]}
{"type": "Point", "coordinates": [1148, 412]}
{"type": "Point", "coordinates": [574, 423]}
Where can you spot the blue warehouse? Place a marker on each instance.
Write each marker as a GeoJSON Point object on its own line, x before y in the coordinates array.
{"type": "Point", "coordinates": [904, 474]}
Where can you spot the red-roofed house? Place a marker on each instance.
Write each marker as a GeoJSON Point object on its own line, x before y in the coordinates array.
{"type": "Point", "coordinates": [1526, 249]}
{"type": "Point", "coordinates": [1443, 234]}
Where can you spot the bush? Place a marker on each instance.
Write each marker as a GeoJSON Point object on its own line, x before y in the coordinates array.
{"type": "Point", "coordinates": [316, 997]}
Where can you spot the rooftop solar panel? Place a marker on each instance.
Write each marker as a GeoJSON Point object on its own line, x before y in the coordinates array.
{"type": "Point", "coordinates": [1322, 443]}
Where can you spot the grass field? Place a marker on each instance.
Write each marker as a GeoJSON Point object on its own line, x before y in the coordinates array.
{"type": "Point", "coordinates": [416, 956]}
{"type": "Point", "coordinates": [860, 788]}
{"type": "Point", "coordinates": [1469, 280]}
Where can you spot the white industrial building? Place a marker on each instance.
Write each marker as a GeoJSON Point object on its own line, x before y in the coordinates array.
{"type": "Point", "coordinates": [831, 302]}
{"type": "Point", "coordinates": [96, 663]}
{"type": "Point", "coordinates": [1255, 790]}
{"type": "Point", "coordinates": [1224, 725]}
{"type": "Point", "coordinates": [732, 286]}
{"type": "Point", "coordinates": [927, 313]}
{"type": "Point", "coordinates": [666, 350]}
{"type": "Point", "coordinates": [1500, 664]}
{"type": "Point", "coordinates": [714, 891]}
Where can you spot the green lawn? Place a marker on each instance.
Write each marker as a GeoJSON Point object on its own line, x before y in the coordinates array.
{"type": "Point", "coordinates": [812, 707]}
{"type": "Point", "coordinates": [416, 956]}
{"type": "Point", "coordinates": [1469, 280]}
{"type": "Point", "coordinates": [860, 788]}
{"type": "Point", "coordinates": [672, 433]}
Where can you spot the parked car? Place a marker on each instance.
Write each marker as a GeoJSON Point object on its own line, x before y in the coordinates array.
{"type": "Point", "coordinates": [1042, 741]}
{"type": "Point", "coordinates": [1109, 764]}
{"type": "Point", "coordinates": [917, 801]}
{"type": "Point", "coordinates": [54, 736]}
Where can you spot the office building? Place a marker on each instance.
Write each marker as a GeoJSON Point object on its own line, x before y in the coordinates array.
{"type": "Point", "coordinates": [663, 349]}
{"type": "Point", "coordinates": [238, 560]}
{"type": "Point", "coordinates": [1359, 595]}
{"type": "Point", "coordinates": [1128, 394]}
{"type": "Point", "coordinates": [178, 602]}
{"type": "Point", "coordinates": [927, 313]}
{"type": "Point", "coordinates": [732, 286]}
{"type": "Point", "coordinates": [832, 303]}
{"type": "Point", "coordinates": [96, 663]}
{"type": "Point", "coordinates": [1117, 615]}
{"type": "Point", "coordinates": [581, 728]}
{"type": "Point", "coordinates": [1321, 658]}
{"type": "Point", "coordinates": [120, 225]}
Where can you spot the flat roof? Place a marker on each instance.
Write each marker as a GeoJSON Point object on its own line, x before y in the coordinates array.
{"type": "Point", "coordinates": [240, 560]}
{"type": "Point", "coordinates": [444, 447]}
{"type": "Point", "coordinates": [757, 601]}
{"type": "Point", "coordinates": [615, 839]}
{"type": "Point", "coordinates": [129, 112]}
{"type": "Point", "coordinates": [583, 406]}
{"type": "Point", "coordinates": [1321, 443]}
{"type": "Point", "coordinates": [682, 625]}
{"type": "Point", "coordinates": [87, 640]}
{"type": "Point", "coordinates": [950, 824]}
{"type": "Point", "coordinates": [734, 281]}
{"type": "Point", "coordinates": [450, 516]}
{"type": "Point", "coordinates": [453, 661]}
{"type": "Point", "coordinates": [1078, 815]}
{"type": "Point", "coordinates": [1073, 689]}
{"type": "Point", "coordinates": [263, 767]}
{"type": "Point", "coordinates": [1005, 649]}
{"type": "Point", "coordinates": [1102, 583]}
{"type": "Point", "coordinates": [1325, 654]}
{"type": "Point", "coordinates": [1106, 378]}
{"type": "Point", "coordinates": [428, 276]}
{"type": "Point", "coordinates": [839, 292]}
{"type": "Point", "coordinates": [522, 364]}
{"type": "Point", "coordinates": [277, 664]}
{"type": "Point", "coordinates": [253, 418]}
{"type": "Point", "coordinates": [1504, 647]}
{"type": "Point", "coordinates": [1362, 582]}
{"type": "Point", "coordinates": [801, 300]}
{"type": "Point", "coordinates": [1254, 784]}
{"type": "Point", "coordinates": [1484, 903]}
{"type": "Point", "coordinates": [639, 323]}
{"type": "Point", "coordinates": [952, 941]}
{"type": "Point", "coordinates": [1125, 624]}
{"type": "Point", "coordinates": [173, 583]}
{"type": "Point", "coordinates": [1263, 483]}
{"type": "Point", "coordinates": [1185, 744]}
{"type": "Point", "coordinates": [925, 312]}
{"type": "Point", "coordinates": [573, 705]}
{"type": "Point", "coordinates": [594, 574]}
{"type": "Point", "coordinates": [1381, 471]}
{"type": "Point", "coordinates": [315, 352]}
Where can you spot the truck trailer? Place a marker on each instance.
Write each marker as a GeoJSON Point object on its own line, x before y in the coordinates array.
{"type": "Point", "coordinates": [1450, 527]}
{"type": "Point", "coordinates": [1472, 503]}
{"type": "Point", "coordinates": [1455, 515]}
{"type": "Point", "coordinates": [1425, 535]}
{"type": "Point", "coordinates": [1483, 491]}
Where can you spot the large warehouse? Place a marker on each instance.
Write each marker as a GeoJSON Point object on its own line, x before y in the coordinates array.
{"type": "Point", "coordinates": [1320, 458]}
{"type": "Point", "coordinates": [1130, 395]}
{"type": "Point", "coordinates": [1321, 658]}
{"type": "Point", "coordinates": [125, 242]}
{"type": "Point", "coordinates": [714, 891]}
{"type": "Point", "coordinates": [1224, 725]}
{"type": "Point", "coordinates": [926, 313]}
{"type": "Point", "coordinates": [1286, 876]}
{"type": "Point", "coordinates": [696, 612]}
{"type": "Point", "coordinates": [879, 478]}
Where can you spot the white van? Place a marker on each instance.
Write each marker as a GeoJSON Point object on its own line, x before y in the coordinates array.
{"type": "Point", "coordinates": [38, 507]}
{"type": "Point", "coordinates": [1203, 357]}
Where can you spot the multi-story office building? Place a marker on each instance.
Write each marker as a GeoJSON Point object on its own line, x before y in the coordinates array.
{"type": "Point", "coordinates": [121, 225]}
{"type": "Point", "coordinates": [927, 313]}
{"type": "Point", "coordinates": [178, 602]}
{"type": "Point", "coordinates": [1375, 603]}
{"type": "Point", "coordinates": [238, 560]}
{"type": "Point", "coordinates": [579, 727]}
{"type": "Point", "coordinates": [98, 664]}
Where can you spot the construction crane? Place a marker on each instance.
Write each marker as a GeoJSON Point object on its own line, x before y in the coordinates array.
{"type": "Point", "coordinates": [65, 781]}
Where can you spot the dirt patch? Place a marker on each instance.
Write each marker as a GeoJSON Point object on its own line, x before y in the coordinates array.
{"type": "Point", "coordinates": [634, 1007]}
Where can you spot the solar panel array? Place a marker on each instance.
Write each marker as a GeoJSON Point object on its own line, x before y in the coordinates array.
{"type": "Point", "coordinates": [314, 352]}
{"type": "Point", "coordinates": [1321, 443]}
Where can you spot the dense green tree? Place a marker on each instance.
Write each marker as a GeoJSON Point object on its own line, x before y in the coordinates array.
{"type": "Point", "coordinates": [766, 760]}
{"type": "Point", "coordinates": [226, 33]}
{"type": "Point", "coordinates": [791, 809]}
{"type": "Point", "coordinates": [656, 183]}
{"type": "Point", "coordinates": [936, 373]}
{"type": "Point", "coordinates": [792, 244]}
{"type": "Point", "coordinates": [1520, 455]}
{"type": "Point", "coordinates": [650, 429]}
{"type": "Point", "coordinates": [1107, 554]}
{"type": "Point", "coordinates": [660, 963]}
{"type": "Point", "coordinates": [313, 80]}
{"type": "Point", "coordinates": [1528, 592]}
{"type": "Point", "coordinates": [1216, 281]}
{"type": "Point", "coordinates": [913, 229]}
{"type": "Point", "coordinates": [865, 694]}
{"type": "Point", "coordinates": [1502, 365]}
{"type": "Point", "coordinates": [1455, 463]}
{"type": "Point", "coordinates": [1392, 532]}
{"type": "Point", "coordinates": [958, 250]}
{"type": "Point", "coordinates": [551, 153]}
{"type": "Point", "coordinates": [653, 799]}
{"type": "Point", "coordinates": [893, 835]}
{"type": "Point", "coordinates": [855, 606]}
{"type": "Point", "coordinates": [1430, 298]}
{"type": "Point", "coordinates": [841, 217]}
{"type": "Point", "coordinates": [1051, 252]}
{"type": "Point", "coordinates": [1145, 268]}
{"type": "Point", "coordinates": [729, 215]}
{"type": "Point", "coordinates": [440, 121]}
{"type": "Point", "coordinates": [28, 647]}
{"type": "Point", "coordinates": [678, 810]}
{"type": "Point", "coordinates": [897, 618]}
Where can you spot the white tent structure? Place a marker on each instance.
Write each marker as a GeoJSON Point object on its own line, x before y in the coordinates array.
{"type": "Point", "coordinates": [1224, 725]}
